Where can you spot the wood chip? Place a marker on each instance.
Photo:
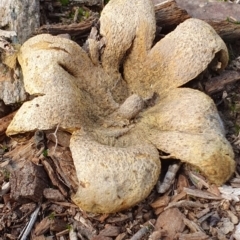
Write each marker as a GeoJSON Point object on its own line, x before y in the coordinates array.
{"type": "Point", "coordinates": [42, 227]}
{"type": "Point", "coordinates": [193, 236]}
{"type": "Point", "coordinates": [28, 182]}
{"type": "Point", "coordinates": [58, 224]}
{"type": "Point", "coordinates": [110, 231]}
{"type": "Point", "coordinates": [217, 84]}
{"type": "Point", "coordinates": [170, 221]}
{"type": "Point", "coordinates": [160, 202]}
{"type": "Point", "coordinates": [201, 194]}
{"type": "Point", "coordinates": [53, 195]}
{"type": "Point", "coordinates": [49, 167]}
{"type": "Point", "coordinates": [185, 204]}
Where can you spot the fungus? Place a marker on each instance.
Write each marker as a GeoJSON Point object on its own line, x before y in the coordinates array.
{"type": "Point", "coordinates": [119, 121]}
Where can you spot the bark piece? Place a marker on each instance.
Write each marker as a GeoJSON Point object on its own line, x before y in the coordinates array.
{"type": "Point", "coordinates": [28, 182]}
{"type": "Point", "coordinates": [53, 195]}
{"type": "Point", "coordinates": [161, 202]}
{"type": "Point", "coordinates": [110, 231]}
{"type": "Point", "coordinates": [168, 14]}
{"type": "Point", "coordinates": [74, 29]}
{"type": "Point", "coordinates": [63, 161]}
{"type": "Point", "coordinates": [170, 221]}
{"type": "Point", "coordinates": [193, 236]}
{"type": "Point", "coordinates": [20, 16]}
{"type": "Point", "coordinates": [50, 169]}
{"type": "Point", "coordinates": [42, 227]}
{"type": "Point", "coordinates": [218, 83]}
{"type": "Point", "coordinates": [58, 225]}
{"type": "Point", "coordinates": [28, 208]}
{"type": "Point", "coordinates": [11, 89]}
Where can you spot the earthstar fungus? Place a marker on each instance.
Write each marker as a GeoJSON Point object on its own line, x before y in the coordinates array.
{"type": "Point", "coordinates": [120, 121]}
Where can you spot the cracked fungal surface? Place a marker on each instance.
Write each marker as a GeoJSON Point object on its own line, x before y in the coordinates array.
{"type": "Point", "coordinates": [119, 121]}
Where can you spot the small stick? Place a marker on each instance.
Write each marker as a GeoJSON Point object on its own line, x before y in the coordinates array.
{"type": "Point", "coordinates": [72, 235]}
{"type": "Point", "coordinates": [184, 203]}
{"type": "Point", "coordinates": [143, 231]}
{"type": "Point", "coordinates": [169, 178]}
{"type": "Point", "coordinates": [56, 139]}
{"type": "Point", "coordinates": [76, 14]}
{"type": "Point", "coordinates": [30, 224]}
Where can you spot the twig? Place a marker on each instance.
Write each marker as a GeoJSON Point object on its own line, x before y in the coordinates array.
{"type": "Point", "coordinates": [143, 231]}
{"type": "Point", "coordinates": [192, 225]}
{"type": "Point", "coordinates": [76, 14]}
{"type": "Point", "coordinates": [72, 234]}
{"type": "Point", "coordinates": [201, 194]}
{"type": "Point", "coordinates": [23, 235]}
{"type": "Point", "coordinates": [64, 232]}
{"type": "Point", "coordinates": [184, 203]}
{"type": "Point", "coordinates": [56, 139]}
{"type": "Point", "coordinates": [169, 178]}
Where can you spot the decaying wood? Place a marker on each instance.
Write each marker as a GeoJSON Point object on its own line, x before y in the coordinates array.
{"type": "Point", "coordinates": [110, 231]}
{"type": "Point", "coordinates": [193, 236]}
{"type": "Point", "coordinates": [53, 194]}
{"type": "Point", "coordinates": [58, 224]}
{"type": "Point", "coordinates": [50, 169]}
{"type": "Point", "coordinates": [218, 83]}
{"type": "Point", "coordinates": [168, 14]}
{"type": "Point", "coordinates": [24, 150]}
{"type": "Point", "coordinates": [11, 85]}
{"type": "Point", "coordinates": [27, 182]}
{"type": "Point", "coordinates": [201, 194]}
{"type": "Point", "coordinates": [43, 226]}
{"type": "Point", "coordinates": [222, 16]}
{"type": "Point", "coordinates": [23, 17]}
{"type": "Point", "coordinates": [185, 204]}
{"type": "Point", "coordinates": [64, 166]}
{"type": "Point", "coordinates": [81, 29]}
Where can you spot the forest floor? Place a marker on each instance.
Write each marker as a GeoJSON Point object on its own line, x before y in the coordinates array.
{"type": "Point", "coordinates": [191, 209]}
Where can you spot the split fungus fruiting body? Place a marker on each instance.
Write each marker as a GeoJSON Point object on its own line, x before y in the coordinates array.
{"type": "Point", "coordinates": [120, 121]}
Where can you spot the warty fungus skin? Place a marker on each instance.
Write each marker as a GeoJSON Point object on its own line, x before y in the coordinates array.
{"type": "Point", "coordinates": [114, 147]}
